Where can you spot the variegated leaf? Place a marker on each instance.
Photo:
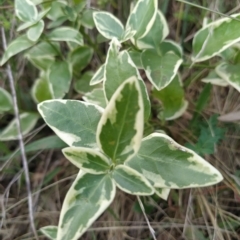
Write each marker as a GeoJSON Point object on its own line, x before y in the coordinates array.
{"type": "Point", "coordinates": [160, 70]}
{"type": "Point", "coordinates": [27, 122]}
{"type": "Point", "coordinates": [75, 122]}
{"type": "Point", "coordinates": [16, 46]}
{"type": "Point", "coordinates": [172, 99]}
{"type": "Point", "coordinates": [6, 102]}
{"type": "Point", "coordinates": [96, 96]}
{"type": "Point", "coordinates": [50, 232]}
{"type": "Point", "coordinates": [35, 31]}
{"type": "Point", "coordinates": [26, 10]}
{"type": "Point", "coordinates": [163, 192]}
{"type": "Point", "coordinates": [230, 73]}
{"type": "Point", "coordinates": [169, 165]}
{"type": "Point", "coordinates": [120, 129]}
{"type": "Point", "coordinates": [157, 33]}
{"type": "Point", "coordinates": [142, 17]}
{"type": "Point", "coordinates": [89, 160]}
{"type": "Point", "coordinates": [131, 181]}
{"type": "Point", "coordinates": [171, 46]}
{"type": "Point", "coordinates": [214, 79]}
{"type": "Point", "coordinates": [108, 25]}
{"type": "Point", "coordinates": [59, 77]}
{"type": "Point", "coordinates": [82, 85]}
{"type": "Point", "coordinates": [66, 34]}
{"type": "Point", "coordinates": [119, 67]}
{"type": "Point", "coordinates": [215, 37]}
{"type": "Point", "coordinates": [85, 201]}
{"type": "Point", "coordinates": [98, 77]}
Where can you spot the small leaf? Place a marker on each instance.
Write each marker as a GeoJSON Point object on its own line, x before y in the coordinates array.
{"type": "Point", "coordinates": [89, 160]}
{"type": "Point", "coordinates": [142, 17]}
{"type": "Point", "coordinates": [108, 25]}
{"type": "Point", "coordinates": [214, 79]}
{"type": "Point", "coordinates": [96, 96]}
{"type": "Point", "coordinates": [163, 192]}
{"type": "Point", "coordinates": [169, 165]}
{"type": "Point", "coordinates": [41, 90]}
{"type": "Point", "coordinates": [85, 201]}
{"type": "Point", "coordinates": [123, 116]}
{"type": "Point", "coordinates": [66, 34]}
{"type": "Point", "coordinates": [6, 102]}
{"type": "Point", "coordinates": [35, 31]}
{"type": "Point", "coordinates": [132, 182]}
{"type": "Point", "coordinates": [16, 46]}
{"type": "Point", "coordinates": [172, 99]}
{"type": "Point", "coordinates": [50, 232]}
{"type": "Point", "coordinates": [87, 18]}
{"type": "Point", "coordinates": [155, 35]}
{"type": "Point", "coordinates": [59, 77]}
{"type": "Point", "coordinates": [75, 122]}
{"type": "Point", "coordinates": [170, 46]}
{"type": "Point", "coordinates": [230, 73]}
{"type": "Point", "coordinates": [160, 70]}
{"type": "Point", "coordinates": [26, 10]}
{"type": "Point", "coordinates": [215, 37]}
{"type": "Point", "coordinates": [27, 122]}
{"type": "Point", "coordinates": [80, 58]}
{"type": "Point", "coordinates": [136, 58]}
{"type": "Point", "coordinates": [98, 77]}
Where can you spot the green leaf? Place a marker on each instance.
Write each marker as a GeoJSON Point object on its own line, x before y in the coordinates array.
{"type": "Point", "coordinates": [169, 165]}
{"type": "Point", "coordinates": [89, 160]}
{"type": "Point", "coordinates": [172, 99]}
{"type": "Point", "coordinates": [82, 85]}
{"type": "Point", "coordinates": [96, 96]}
{"type": "Point", "coordinates": [87, 18]}
{"type": "Point", "coordinates": [230, 73]}
{"type": "Point", "coordinates": [56, 10]}
{"type": "Point", "coordinates": [41, 90]}
{"type": "Point", "coordinates": [6, 102]}
{"type": "Point", "coordinates": [59, 77]}
{"type": "Point", "coordinates": [215, 37]}
{"type": "Point", "coordinates": [98, 77]}
{"type": "Point", "coordinates": [66, 34]}
{"type": "Point", "coordinates": [108, 25]}
{"type": "Point", "coordinates": [16, 46]}
{"type": "Point", "coordinates": [35, 31]}
{"type": "Point", "coordinates": [160, 70]}
{"type": "Point", "coordinates": [155, 35]}
{"type": "Point", "coordinates": [170, 46]}
{"type": "Point", "coordinates": [214, 79]}
{"type": "Point", "coordinates": [26, 10]}
{"type": "Point", "coordinates": [131, 181]}
{"type": "Point", "coordinates": [123, 116]}
{"type": "Point", "coordinates": [27, 122]}
{"type": "Point", "coordinates": [163, 192]}
{"type": "Point", "coordinates": [50, 232]}
{"type": "Point", "coordinates": [80, 57]}
{"type": "Point", "coordinates": [85, 201]}
{"type": "Point", "coordinates": [136, 58]}
{"type": "Point", "coordinates": [75, 122]}
{"type": "Point", "coordinates": [142, 17]}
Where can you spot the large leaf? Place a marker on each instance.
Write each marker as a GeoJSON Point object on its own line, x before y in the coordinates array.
{"type": "Point", "coordinates": [108, 25]}
{"type": "Point", "coordinates": [157, 33]}
{"type": "Point", "coordinates": [26, 10]}
{"type": "Point", "coordinates": [215, 37]}
{"type": "Point", "coordinates": [131, 181]}
{"type": "Point", "coordinates": [75, 122]}
{"type": "Point", "coordinates": [50, 232]}
{"type": "Point", "coordinates": [230, 73]}
{"type": "Point", "coordinates": [169, 165]}
{"type": "Point", "coordinates": [41, 90]}
{"type": "Point", "coordinates": [120, 129]}
{"type": "Point", "coordinates": [85, 201]}
{"type": "Point", "coordinates": [160, 70]}
{"type": "Point", "coordinates": [16, 46]}
{"type": "Point", "coordinates": [172, 99]}
{"type": "Point", "coordinates": [142, 17]}
{"type": "Point", "coordinates": [27, 122]}
{"type": "Point", "coordinates": [119, 67]}
{"type": "Point", "coordinates": [6, 102]}
{"type": "Point", "coordinates": [35, 31]}
{"type": "Point", "coordinates": [66, 34]}
{"type": "Point", "coordinates": [89, 160]}
{"type": "Point", "coordinates": [59, 77]}
{"type": "Point", "coordinates": [96, 96]}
